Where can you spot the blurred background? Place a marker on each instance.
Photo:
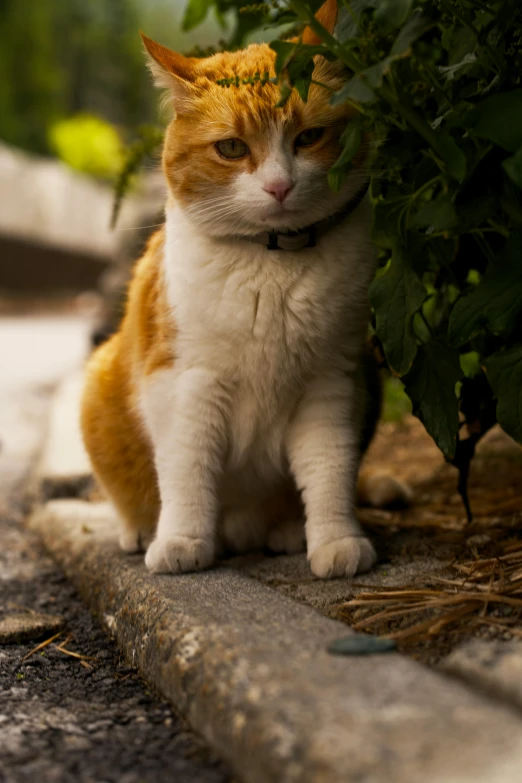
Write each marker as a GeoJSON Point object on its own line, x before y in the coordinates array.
{"type": "Point", "coordinates": [74, 92]}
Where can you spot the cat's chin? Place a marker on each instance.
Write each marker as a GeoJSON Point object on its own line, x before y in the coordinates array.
{"type": "Point", "coordinates": [285, 220]}
{"type": "Point", "coordinates": [275, 213]}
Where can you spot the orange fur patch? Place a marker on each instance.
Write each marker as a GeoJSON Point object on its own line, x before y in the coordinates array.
{"type": "Point", "coordinates": [119, 451]}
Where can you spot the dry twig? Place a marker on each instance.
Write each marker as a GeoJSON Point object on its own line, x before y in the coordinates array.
{"type": "Point", "coordinates": [41, 646]}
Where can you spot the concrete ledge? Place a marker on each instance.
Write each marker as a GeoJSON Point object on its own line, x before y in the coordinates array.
{"type": "Point", "coordinates": [65, 470]}
{"type": "Point", "coordinates": [249, 669]}
{"type": "Point", "coordinates": [493, 666]}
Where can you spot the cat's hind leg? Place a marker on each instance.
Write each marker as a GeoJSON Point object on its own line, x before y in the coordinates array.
{"type": "Point", "coordinates": [287, 537]}
{"type": "Point", "coordinates": [242, 529]}
{"type": "Point", "coordinates": [121, 457]}
{"type": "Point", "coordinates": [134, 539]}
{"type": "Point", "coordinates": [382, 490]}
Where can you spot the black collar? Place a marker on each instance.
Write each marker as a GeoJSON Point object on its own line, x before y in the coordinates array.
{"type": "Point", "coordinates": [308, 236]}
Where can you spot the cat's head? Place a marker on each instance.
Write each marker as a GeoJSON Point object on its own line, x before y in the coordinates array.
{"type": "Point", "coordinates": [237, 164]}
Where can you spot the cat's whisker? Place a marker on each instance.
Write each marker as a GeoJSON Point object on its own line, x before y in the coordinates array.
{"type": "Point", "coordinates": [137, 228]}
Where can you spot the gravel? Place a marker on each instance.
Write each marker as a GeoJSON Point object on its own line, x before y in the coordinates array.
{"type": "Point", "coordinates": [86, 719]}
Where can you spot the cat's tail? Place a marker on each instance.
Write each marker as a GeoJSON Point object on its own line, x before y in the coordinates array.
{"type": "Point", "coordinates": [382, 490]}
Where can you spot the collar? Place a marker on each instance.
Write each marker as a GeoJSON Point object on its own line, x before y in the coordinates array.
{"type": "Point", "coordinates": [308, 236]}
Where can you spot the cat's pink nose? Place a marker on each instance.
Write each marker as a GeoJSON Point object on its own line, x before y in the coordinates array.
{"type": "Point", "coordinates": [279, 189]}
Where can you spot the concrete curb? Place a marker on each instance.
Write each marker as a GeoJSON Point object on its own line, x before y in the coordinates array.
{"type": "Point", "coordinates": [249, 669]}
{"type": "Point", "coordinates": [65, 470]}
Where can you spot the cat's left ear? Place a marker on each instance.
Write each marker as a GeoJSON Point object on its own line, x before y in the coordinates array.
{"type": "Point", "coordinates": [327, 16]}
{"type": "Point", "coordinates": [172, 71]}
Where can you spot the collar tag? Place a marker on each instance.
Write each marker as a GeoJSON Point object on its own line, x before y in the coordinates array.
{"type": "Point", "coordinates": [297, 241]}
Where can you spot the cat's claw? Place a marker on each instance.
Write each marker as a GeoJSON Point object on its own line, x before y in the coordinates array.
{"type": "Point", "coordinates": [345, 557]}
{"type": "Point", "coordinates": [179, 554]}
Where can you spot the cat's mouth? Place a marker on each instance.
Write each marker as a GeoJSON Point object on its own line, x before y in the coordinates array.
{"type": "Point", "coordinates": [274, 211]}
{"type": "Point", "coordinates": [279, 217]}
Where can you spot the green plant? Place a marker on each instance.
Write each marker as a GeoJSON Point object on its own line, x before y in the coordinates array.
{"type": "Point", "coordinates": [437, 88]}
{"type": "Point", "coordinates": [88, 144]}
{"type": "Point", "coordinates": [146, 145]}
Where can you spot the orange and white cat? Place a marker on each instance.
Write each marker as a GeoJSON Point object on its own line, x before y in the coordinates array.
{"type": "Point", "coordinates": [234, 393]}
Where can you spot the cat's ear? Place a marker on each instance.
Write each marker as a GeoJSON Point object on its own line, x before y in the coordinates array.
{"type": "Point", "coordinates": [327, 16]}
{"type": "Point", "coordinates": [171, 71]}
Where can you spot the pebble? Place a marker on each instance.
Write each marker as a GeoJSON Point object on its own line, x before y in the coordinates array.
{"type": "Point", "coordinates": [361, 644]}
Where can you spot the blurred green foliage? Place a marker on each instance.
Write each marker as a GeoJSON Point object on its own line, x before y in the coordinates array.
{"type": "Point", "coordinates": [396, 403]}
{"type": "Point", "coordinates": [88, 144]}
{"type": "Point", "coordinates": [60, 58]}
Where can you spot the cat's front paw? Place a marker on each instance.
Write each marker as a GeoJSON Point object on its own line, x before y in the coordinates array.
{"type": "Point", "coordinates": [179, 554]}
{"type": "Point", "coordinates": [345, 557]}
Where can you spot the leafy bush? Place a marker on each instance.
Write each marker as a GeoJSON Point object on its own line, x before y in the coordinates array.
{"type": "Point", "coordinates": [437, 87]}
{"type": "Point", "coordinates": [88, 144]}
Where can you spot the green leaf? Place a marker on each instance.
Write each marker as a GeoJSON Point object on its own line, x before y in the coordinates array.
{"type": "Point", "coordinates": [354, 90]}
{"type": "Point", "coordinates": [386, 217]}
{"type": "Point", "coordinates": [396, 296]}
{"type": "Point", "coordinates": [460, 42]}
{"type": "Point", "coordinates": [303, 87]}
{"type": "Point", "coordinates": [297, 63]}
{"type": "Point", "coordinates": [195, 13]}
{"type": "Point", "coordinates": [361, 87]}
{"type": "Point", "coordinates": [440, 214]}
{"type": "Point", "coordinates": [430, 385]}
{"type": "Point", "coordinates": [392, 13]}
{"type": "Point", "coordinates": [452, 156]}
{"type": "Point", "coordinates": [513, 167]}
{"type": "Point", "coordinates": [496, 302]}
{"type": "Point", "coordinates": [504, 372]}
{"type": "Point", "coordinates": [416, 26]}
{"type": "Point", "coordinates": [351, 139]}
{"type": "Point", "coordinates": [498, 118]}
{"type": "Point", "coordinates": [284, 52]}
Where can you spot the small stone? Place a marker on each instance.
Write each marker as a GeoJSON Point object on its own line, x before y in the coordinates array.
{"type": "Point", "coordinates": [19, 628]}
{"type": "Point", "coordinates": [479, 539]}
{"type": "Point", "coordinates": [361, 644]}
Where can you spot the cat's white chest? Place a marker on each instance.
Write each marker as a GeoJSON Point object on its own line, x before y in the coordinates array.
{"type": "Point", "coordinates": [260, 323]}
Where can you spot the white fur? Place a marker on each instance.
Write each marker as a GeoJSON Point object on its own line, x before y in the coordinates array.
{"type": "Point", "coordinates": [264, 382]}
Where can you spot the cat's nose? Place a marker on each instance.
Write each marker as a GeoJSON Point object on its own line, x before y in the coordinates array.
{"type": "Point", "coordinates": [279, 189]}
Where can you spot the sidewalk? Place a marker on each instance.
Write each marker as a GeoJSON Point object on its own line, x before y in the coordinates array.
{"type": "Point", "coordinates": [241, 651]}
{"type": "Point", "coordinates": [73, 711]}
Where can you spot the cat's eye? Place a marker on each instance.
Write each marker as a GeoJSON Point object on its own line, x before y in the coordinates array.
{"type": "Point", "coordinates": [308, 137]}
{"type": "Point", "coordinates": [233, 149]}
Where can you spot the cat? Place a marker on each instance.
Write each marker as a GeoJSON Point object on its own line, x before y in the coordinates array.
{"type": "Point", "coordinates": [232, 402]}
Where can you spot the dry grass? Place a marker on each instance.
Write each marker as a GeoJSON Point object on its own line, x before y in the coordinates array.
{"type": "Point", "coordinates": [472, 596]}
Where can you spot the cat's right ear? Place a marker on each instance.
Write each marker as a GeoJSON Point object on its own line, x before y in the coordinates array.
{"type": "Point", "coordinates": [171, 71]}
